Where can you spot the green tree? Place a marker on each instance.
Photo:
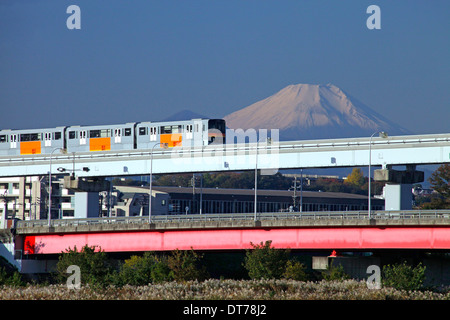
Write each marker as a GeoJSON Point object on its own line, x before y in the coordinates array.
{"type": "Point", "coordinates": [142, 270]}
{"type": "Point", "coordinates": [440, 182]}
{"type": "Point", "coordinates": [185, 265]}
{"type": "Point", "coordinates": [265, 262]}
{"type": "Point", "coordinates": [403, 276]}
{"type": "Point", "coordinates": [295, 270]}
{"type": "Point", "coordinates": [433, 202]}
{"type": "Point", "coordinates": [11, 278]}
{"type": "Point", "coordinates": [93, 263]}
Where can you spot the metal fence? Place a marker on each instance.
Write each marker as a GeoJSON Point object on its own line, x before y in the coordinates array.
{"type": "Point", "coordinates": [356, 215]}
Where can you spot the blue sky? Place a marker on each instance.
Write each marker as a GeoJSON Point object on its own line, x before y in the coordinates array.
{"type": "Point", "coordinates": [146, 60]}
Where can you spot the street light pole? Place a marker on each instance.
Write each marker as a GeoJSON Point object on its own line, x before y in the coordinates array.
{"type": "Point", "coordinates": [384, 135]}
{"type": "Point", "coordinates": [165, 146]}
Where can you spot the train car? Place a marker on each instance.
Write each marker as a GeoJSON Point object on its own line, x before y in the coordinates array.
{"type": "Point", "coordinates": [100, 138]}
{"type": "Point", "coordinates": [186, 133]}
{"type": "Point", "coordinates": [31, 141]}
{"type": "Point", "coordinates": [129, 136]}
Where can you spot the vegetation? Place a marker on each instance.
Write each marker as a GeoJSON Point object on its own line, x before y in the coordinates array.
{"type": "Point", "coordinates": [295, 270]}
{"type": "Point", "coordinates": [215, 289]}
{"type": "Point", "coordinates": [265, 262]}
{"type": "Point", "coordinates": [335, 273]}
{"type": "Point", "coordinates": [356, 178]}
{"type": "Point", "coordinates": [93, 263]}
{"type": "Point", "coordinates": [139, 271]}
{"type": "Point", "coordinates": [185, 266]}
{"type": "Point", "coordinates": [440, 183]}
{"type": "Point", "coordinates": [13, 279]}
{"type": "Point", "coordinates": [403, 276]}
{"type": "Point", "coordinates": [273, 273]}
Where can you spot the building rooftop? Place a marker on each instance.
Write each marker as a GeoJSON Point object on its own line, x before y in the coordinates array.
{"type": "Point", "coordinates": [261, 192]}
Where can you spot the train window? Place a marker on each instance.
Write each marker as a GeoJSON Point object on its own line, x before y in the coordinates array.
{"type": "Point", "coordinates": [142, 131]}
{"type": "Point", "coordinates": [166, 129]}
{"type": "Point", "coordinates": [72, 134]}
{"type": "Point", "coordinates": [99, 133]}
{"type": "Point", "coordinates": [30, 137]}
{"type": "Point", "coordinates": [127, 132]}
{"type": "Point", "coordinates": [94, 134]}
{"type": "Point", "coordinates": [171, 129]}
{"type": "Point", "coordinates": [3, 138]}
{"type": "Point", "coordinates": [217, 124]}
{"type": "Point", "coordinates": [57, 136]}
{"type": "Point", "coordinates": [177, 129]}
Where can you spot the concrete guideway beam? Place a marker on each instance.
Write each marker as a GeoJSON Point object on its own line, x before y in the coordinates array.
{"type": "Point", "coordinates": [86, 185]}
{"type": "Point", "coordinates": [327, 153]}
{"type": "Point", "coordinates": [408, 176]}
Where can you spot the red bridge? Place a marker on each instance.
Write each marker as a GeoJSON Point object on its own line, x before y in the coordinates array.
{"type": "Point", "coordinates": [405, 230]}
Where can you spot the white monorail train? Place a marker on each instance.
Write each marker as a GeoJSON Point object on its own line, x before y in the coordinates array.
{"type": "Point", "coordinates": [129, 136]}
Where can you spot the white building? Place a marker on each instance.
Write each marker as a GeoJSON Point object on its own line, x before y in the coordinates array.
{"type": "Point", "coordinates": [26, 198]}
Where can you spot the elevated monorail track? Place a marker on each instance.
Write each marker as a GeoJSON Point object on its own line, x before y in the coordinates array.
{"type": "Point", "coordinates": [395, 150]}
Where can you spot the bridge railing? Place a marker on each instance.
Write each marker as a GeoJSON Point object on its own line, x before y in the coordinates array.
{"type": "Point", "coordinates": [316, 215]}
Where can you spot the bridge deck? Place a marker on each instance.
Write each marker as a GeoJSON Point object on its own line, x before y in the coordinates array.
{"type": "Point", "coordinates": [226, 221]}
{"type": "Point", "coordinates": [399, 230]}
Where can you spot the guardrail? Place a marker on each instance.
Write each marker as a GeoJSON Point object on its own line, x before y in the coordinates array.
{"type": "Point", "coordinates": [361, 215]}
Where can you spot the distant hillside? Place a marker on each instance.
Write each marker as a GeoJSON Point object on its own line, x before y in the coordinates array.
{"type": "Point", "coordinates": [306, 111]}
{"type": "Point", "coordinates": [184, 115]}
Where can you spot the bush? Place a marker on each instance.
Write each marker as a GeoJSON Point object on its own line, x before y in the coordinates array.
{"type": "Point", "coordinates": [144, 270]}
{"type": "Point", "coordinates": [93, 264]}
{"type": "Point", "coordinates": [403, 276]}
{"type": "Point", "coordinates": [335, 273]}
{"type": "Point", "coordinates": [295, 270]}
{"type": "Point", "coordinates": [13, 279]}
{"type": "Point", "coordinates": [185, 266]}
{"type": "Point", "coordinates": [264, 262]}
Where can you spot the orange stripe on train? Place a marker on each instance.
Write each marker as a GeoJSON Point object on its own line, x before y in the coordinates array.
{"type": "Point", "coordinates": [99, 144]}
{"type": "Point", "coordinates": [30, 147]}
{"type": "Point", "coordinates": [172, 140]}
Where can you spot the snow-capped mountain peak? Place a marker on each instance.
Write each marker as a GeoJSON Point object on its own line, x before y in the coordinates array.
{"type": "Point", "coordinates": [307, 111]}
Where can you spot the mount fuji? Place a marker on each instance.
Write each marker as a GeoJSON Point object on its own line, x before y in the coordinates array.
{"type": "Point", "coordinates": [307, 111]}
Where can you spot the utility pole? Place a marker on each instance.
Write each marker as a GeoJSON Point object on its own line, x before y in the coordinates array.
{"type": "Point", "coordinates": [295, 191]}
{"type": "Point", "coordinates": [295, 188]}
{"type": "Point", "coordinates": [193, 192]}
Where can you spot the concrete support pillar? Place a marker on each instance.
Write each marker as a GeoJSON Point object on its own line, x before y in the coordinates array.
{"type": "Point", "coordinates": [86, 195]}
{"type": "Point", "coordinates": [398, 188]}
{"type": "Point", "coordinates": [86, 205]}
{"type": "Point", "coordinates": [398, 196]}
